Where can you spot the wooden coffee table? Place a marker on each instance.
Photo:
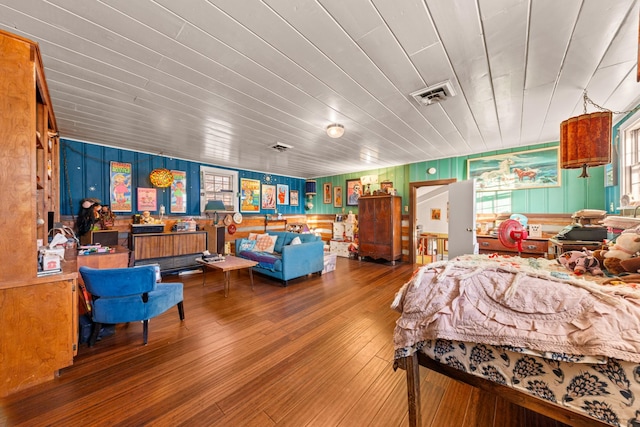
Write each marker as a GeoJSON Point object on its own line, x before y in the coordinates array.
{"type": "Point", "coordinates": [229, 264]}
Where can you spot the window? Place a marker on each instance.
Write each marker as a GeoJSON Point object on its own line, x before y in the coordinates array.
{"type": "Point", "coordinates": [219, 184]}
{"type": "Point", "coordinates": [630, 158]}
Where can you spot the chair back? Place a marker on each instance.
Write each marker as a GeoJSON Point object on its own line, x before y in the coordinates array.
{"type": "Point", "coordinates": [116, 282]}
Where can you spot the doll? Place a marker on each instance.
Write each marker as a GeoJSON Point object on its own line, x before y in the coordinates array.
{"type": "Point", "coordinates": [88, 216]}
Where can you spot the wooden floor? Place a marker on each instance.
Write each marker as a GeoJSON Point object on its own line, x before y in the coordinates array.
{"type": "Point", "coordinates": [316, 353]}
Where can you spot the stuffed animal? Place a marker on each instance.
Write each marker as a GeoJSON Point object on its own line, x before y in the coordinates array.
{"type": "Point", "coordinates": [625, 247]}
{"type": "Point", "coordinates": [581, 262]}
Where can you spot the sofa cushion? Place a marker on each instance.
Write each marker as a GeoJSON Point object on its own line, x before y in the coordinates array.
{"type": "Point", "coordinates": [266, 243]}
{"type": "Point", "coordinates": [246, 245]}
{"type": "Point", "coordinates": [308, 237]}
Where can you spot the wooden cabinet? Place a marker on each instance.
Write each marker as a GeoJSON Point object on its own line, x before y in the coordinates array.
{"type": "Point", "coordinates": [172, 251]}
{"type": "Point", "coordinates": [538, 247]}
{"type": "Point", "coordinates": [38, 315]}
{"type": "Point", "coordinates": [379, 227]}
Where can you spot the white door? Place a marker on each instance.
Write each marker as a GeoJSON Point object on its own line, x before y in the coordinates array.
{"type": "Point", "coordinates": [462, 218]}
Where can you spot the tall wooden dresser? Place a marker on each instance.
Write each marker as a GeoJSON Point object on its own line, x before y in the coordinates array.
{"type": "Point", "coordinates": [380, 227]}
{"type": "Point", "coordinates": [38, 315]}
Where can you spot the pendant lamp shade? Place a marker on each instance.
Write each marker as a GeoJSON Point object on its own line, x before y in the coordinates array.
{"type": "Point", "coordinates": [161, 177]}
{"type": "Point", "coordinates": [585, 141]}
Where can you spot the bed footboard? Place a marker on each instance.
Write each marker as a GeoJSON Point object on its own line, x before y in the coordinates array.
{"type": "Point", "coordinates": [411, 364]}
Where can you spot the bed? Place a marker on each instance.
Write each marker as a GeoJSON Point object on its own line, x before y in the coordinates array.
{"type": "Point", "coordinates": [565, 346]}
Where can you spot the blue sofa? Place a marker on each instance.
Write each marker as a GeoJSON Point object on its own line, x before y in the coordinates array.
{"type": "Point", "coordinates": [287, 261]}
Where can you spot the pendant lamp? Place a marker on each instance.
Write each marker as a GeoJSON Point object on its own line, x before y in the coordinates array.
{"type": "Point", "coordinates": [585, 141]}
{"type": "Point", "coordinates": [161, 177]}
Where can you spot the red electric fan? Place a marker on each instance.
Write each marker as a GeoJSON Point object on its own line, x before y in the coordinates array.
{"type": "Point", "coordinates": [511, 234]}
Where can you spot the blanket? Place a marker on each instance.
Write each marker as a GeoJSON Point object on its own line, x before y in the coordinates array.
{"type": "Point", "coordinates": [518, 302]}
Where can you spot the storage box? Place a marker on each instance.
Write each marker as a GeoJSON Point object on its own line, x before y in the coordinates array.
{"type": "Point", "coordinates": [329, 263]}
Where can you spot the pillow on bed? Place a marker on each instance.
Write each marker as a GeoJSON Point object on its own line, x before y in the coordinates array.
{"type": "Point", "coordinates": [247, 245]}
{"type": "Point", "coordinates": [266, 243]}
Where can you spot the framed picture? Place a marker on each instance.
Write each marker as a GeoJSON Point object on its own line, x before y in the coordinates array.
{"type": "Point", "coordinates": [516, 171]}
{"type": "Point", "coordinates": [249, 195]}
{"type": "Point", "coordinates": [435, 214]}
{"type": "Point", "coordinates": [147, 199]}
{"type": "Point", "coordinates": [337, 196]}
{"type": "Point", "coordinates": [354, 191]}
{"type": "Point", "coordinates": [268, 196]}
{"type": "Point", "coordinates": [283, 194]}
{"type": "Point", "coordinates": [326, 190]}
{"type": "Point", "coordinates": [293, 198]}
{"type": "Point", "coordinates": [386, 185]}
{"type": "Point", "coordinates": [120, 194]}
{"type": "Point", "coordinates": [179, 192]}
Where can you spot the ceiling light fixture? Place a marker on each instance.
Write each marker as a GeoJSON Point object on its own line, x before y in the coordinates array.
{"type": "Point", "coordinates": [585, 140]}
{"type": "Point", "coordinates": [335, 130]}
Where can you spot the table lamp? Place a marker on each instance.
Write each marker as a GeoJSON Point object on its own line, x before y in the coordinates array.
{"type": "Point", "coordinates": [215, 206]}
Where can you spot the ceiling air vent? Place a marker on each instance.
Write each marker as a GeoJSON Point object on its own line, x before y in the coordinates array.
{"type": "Point", "coordinates": [281, 147]}
{"type": "Point", "coordinates": [434, 94]}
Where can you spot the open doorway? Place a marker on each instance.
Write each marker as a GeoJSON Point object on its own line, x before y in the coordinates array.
{"type": "Point", "coordinates": [414, 194]}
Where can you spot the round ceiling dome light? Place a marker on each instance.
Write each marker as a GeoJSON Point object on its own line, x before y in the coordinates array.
{"type": "Point", "coordinates": [335, 130]}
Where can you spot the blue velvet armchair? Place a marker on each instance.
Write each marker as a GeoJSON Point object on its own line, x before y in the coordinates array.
{"type": "Point", "coordinates": [121, 295]}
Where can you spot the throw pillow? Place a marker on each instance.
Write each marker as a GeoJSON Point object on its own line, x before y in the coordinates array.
{"type": "Point", "coordinates": [296, 241]}
{"type": "Point", "coordinates": [266, 243]}
{"type": "Point", "coordinates": [254, 236]}
{"type": "Point", "coordinates": [247, 245]}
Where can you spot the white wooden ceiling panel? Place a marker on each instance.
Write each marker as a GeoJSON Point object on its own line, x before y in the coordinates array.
{"type": "Point", "coordinates": [220, 81]}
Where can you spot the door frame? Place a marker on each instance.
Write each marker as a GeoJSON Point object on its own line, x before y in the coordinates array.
{"type": "Point", "coordinates": [413, 189]}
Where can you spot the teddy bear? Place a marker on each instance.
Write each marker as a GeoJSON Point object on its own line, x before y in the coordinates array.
{"type": "Point", "coordinates": [581, 262]}
{"type": "Point", "coordinates": [620, 256]}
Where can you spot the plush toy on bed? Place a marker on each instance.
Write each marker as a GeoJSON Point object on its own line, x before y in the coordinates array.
{"type": "Point", "coordinates": [581, 262]}
{"type": "Point", "coordinates": [622, 255]}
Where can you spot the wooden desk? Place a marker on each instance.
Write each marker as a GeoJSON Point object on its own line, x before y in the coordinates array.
{"type": "Point", "coordinates": [558, 246]}
{"type": "Point", "coordinates": [229, 264]}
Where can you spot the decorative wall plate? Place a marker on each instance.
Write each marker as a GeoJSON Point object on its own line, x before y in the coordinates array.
{"type": "Point", "coordinates": [231, 228]}
{"type": "Point", "coordinates": [228, 220]}
{"type": "Point", "coordinates": [237, 217]}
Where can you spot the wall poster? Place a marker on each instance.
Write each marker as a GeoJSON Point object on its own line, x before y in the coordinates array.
{"type": "Point", "coordinates": [268, 196]}
{"type": "Point", "coordinates": [250, 195]}
{"type": "Point", "coordinates": [147, 199]}
{"type": "Point", "coordinates": [283, 194]}
{"type": "Point", "coordinates": [120, 188]}
{"type": "Point", "coordinates": [178, 192]}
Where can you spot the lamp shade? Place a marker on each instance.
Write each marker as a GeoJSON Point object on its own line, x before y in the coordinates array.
{"type": "Point", "coordinates": [335, 130]}
{"type": "Point", "coordinates": [214, 206]}
{"type": "Point", "coordinates": [310, 188]}
{"type": "Point", "coordinates": [585, 141]}
{"type": "Point", "coordinates": [161, 177]}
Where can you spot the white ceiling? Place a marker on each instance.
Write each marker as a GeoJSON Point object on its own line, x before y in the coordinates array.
{"type": "Point", "coordinates": [222, 81]}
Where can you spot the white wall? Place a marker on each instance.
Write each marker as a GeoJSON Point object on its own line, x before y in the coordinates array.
{"type": "Point", "coordinates": [428, 198]}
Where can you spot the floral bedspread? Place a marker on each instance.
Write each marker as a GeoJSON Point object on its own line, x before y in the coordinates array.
{"type": "Point", "coordinates": [529, 325]}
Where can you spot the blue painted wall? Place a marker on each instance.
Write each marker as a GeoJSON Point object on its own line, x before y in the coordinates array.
{"type": "Point", "coordinates": [84, 172]}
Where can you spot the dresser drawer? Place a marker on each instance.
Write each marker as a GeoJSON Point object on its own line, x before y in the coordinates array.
{"type": "Point", "coordinates": [492, 244]}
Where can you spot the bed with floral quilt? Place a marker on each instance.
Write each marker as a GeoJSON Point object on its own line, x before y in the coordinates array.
{"type": "Point", "coordinates": [563, 345]}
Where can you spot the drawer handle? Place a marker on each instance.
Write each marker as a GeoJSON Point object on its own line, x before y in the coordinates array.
{"type": "Point", "coordinates": [531, 247]}
{"type": "Point", "coordinates": [484, 243]}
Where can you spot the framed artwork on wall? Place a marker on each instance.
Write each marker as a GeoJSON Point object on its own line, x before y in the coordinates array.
{"type": "Point", "coordinates": [326, 190]}
{"type": "Point", "coordinates": [337, 196]}
{"type": "Point", "coordinates": [283, 194]}
{"type": "Point", "coordinates": [268, 196]}
{"type": "Point", "coordinates": [147, 199]}
{"type": "Point", "coordinates": [516, 171]}
{"type": "Point", "coordinates": [120, 194]}
{"type": "Point", "coordinates": [249, 195]}
{"type": "Point", "coordinates": [293, 198]}
{"type": "Point", "coordinates": [354, 191]}
{"type": "Point", "coordinates": [179, 192]}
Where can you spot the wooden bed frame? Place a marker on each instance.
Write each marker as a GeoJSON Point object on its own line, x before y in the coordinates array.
{"type": "Point", "coordinates": [411, 364]}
